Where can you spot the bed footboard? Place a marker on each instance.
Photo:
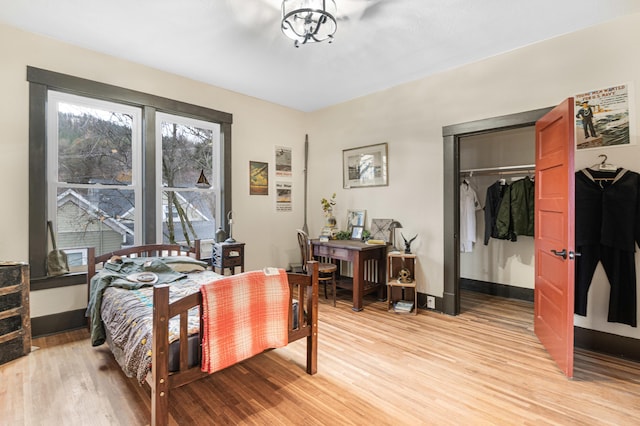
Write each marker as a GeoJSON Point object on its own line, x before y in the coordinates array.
{"type": "Point", "coordinates": [303, 288]}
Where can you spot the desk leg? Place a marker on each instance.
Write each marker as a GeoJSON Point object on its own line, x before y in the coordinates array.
{"type": "Point", "coordinates": [382, 274]}
{"type": "Point", "coordinates": [358, 281]}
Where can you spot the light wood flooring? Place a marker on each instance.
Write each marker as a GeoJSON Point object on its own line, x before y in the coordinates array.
{"type": "Point", "coordinates": [482, 367]}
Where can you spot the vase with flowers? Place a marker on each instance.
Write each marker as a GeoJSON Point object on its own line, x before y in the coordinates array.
{"type": "Point", "coordinates": [327, 208]}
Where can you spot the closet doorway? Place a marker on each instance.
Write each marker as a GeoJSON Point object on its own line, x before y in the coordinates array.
{"type": "Point", "coordinates": [494, 162]}
{"type": "Point", "coordinates": [455, 137]}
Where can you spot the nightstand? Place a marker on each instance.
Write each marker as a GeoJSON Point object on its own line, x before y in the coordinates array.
{"type": "Point", "coordinates": [401, 272]}
{"type": "Point", "coordinates": [227, 255]}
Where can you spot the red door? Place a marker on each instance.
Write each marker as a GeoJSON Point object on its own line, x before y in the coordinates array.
{"type": "Point", "coordinates": [554, 234]}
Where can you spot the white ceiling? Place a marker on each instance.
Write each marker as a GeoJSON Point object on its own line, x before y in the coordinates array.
{"type": "Point", "coordinates": [238, 45]}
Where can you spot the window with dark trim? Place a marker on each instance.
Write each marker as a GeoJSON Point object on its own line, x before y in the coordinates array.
{"type": "Point", "coordinates": [154, 110]}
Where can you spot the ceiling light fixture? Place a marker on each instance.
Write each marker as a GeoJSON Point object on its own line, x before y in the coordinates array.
{"type": "Point", "coordinates": [309, 21]}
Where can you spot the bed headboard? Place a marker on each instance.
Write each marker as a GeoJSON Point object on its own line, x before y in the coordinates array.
{"type": "Point", "coordinates": [149, 250]}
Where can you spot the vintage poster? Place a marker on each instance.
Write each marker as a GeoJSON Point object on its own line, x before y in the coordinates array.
{"type": "Point", "coordinates": [283, 198]}
{"type": "Point", "coordinates": [283, 161]}
{"type": "Point", "coordinates": [602, 117]}
{"type": "Point", "coordinates": [258, 178]}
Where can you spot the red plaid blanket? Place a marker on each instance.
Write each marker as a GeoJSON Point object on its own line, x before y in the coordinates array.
{"type": "Point", "coordinates": [243, 315]}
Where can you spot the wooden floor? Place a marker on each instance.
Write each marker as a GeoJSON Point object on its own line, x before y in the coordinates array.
{"type": "Point", "coordinates": [482, 367]}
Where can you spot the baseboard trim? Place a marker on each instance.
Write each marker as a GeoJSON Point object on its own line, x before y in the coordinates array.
{"type": "Point", "coordinates": [607, 343]}
{"type": "Point", "coordinates": [494, 289]}
{"type": "Point", "coordinates": [57, 323]}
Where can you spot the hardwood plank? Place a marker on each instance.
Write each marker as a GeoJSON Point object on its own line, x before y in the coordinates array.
{"type": "Point", "coordinates": [484, 366]}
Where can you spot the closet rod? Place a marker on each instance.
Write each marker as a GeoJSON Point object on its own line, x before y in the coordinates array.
{"type": "Point", "coordinates": [503, 169]}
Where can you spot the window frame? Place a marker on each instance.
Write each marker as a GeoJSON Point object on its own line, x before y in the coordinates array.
{"type": "Point", "coordinates": [215, 188]}
{"type": "Point", "coordinates": [54, 98]}
{"type": "Point", "coordinates": [41, 82]}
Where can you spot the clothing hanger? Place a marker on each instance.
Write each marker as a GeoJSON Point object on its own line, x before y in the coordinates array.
{"type": "Point", "coordinates": [603, 166]}
{"type": "Point", "coordinates": [465, 180]}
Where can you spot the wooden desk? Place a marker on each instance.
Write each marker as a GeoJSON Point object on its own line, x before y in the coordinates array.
{"type": "Point", "coordinates": [369, 264]}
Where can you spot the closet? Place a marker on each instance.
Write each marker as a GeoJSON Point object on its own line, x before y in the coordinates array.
{"type": "Point", "coordinates": [482, 152]}
{"type": "Point", "coordinates": [502, 267]}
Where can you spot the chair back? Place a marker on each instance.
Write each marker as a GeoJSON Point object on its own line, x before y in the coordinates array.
{"type": "Point", "coordinates": [305, 248]}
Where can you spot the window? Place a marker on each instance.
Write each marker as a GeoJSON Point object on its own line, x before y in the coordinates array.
{"type": "Point", "coordinates": [187, 178]}
{"type": "Point", "coordinates": [93, 172]}
{"type": "Point", "coordinates": [121, 168]}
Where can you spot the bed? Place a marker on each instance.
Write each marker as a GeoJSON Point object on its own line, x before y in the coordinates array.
{"type": "Point", "coordinates": [169, 311]}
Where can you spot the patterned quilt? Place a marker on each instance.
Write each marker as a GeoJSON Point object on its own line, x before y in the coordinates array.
{"type": "Point", "coordinates": [127, 317]}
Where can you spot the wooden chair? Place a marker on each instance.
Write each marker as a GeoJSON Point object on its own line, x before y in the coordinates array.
{"type": "Point", "coordinates": [326, 271]}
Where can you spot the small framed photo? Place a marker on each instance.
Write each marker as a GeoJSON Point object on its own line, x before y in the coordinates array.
{"type": "Point", "coordinates": [356, 232]}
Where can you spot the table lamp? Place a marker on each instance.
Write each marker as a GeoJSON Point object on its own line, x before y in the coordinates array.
{"type": "Point", "coordinates": [230, 222]}
{"type": "Point", "coordinates": [395, 224]}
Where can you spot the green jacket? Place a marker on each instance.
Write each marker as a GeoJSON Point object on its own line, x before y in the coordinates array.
{"type": "Point", "coordinates": [516, 211]}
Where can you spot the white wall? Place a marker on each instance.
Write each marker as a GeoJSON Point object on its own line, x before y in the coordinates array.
{"type": "Point", "coordinates": [410, 118]}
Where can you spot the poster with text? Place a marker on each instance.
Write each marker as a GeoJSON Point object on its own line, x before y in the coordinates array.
{"type": "Point", "coordinates": [283, 196]}
{"type": "Point", "coordinates": [602, 117]}
{"type": "Point", "coordinates": [283, 161]}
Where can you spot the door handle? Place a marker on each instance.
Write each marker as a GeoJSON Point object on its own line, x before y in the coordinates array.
{"type": "Point", "coordinates": [573, 255]}
{"type": "Point", "coordinates": [562, 253]}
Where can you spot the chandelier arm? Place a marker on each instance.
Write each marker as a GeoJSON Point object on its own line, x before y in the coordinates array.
{"type": "Point", "coordinates": [308, 24]}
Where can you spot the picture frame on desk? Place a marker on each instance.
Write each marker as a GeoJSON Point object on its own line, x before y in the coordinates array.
{"type": "Point", "coordinates": [355, 218]}
{"type": "Point", "coordinates": [356, 232]}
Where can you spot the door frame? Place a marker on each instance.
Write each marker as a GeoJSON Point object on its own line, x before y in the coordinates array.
{"type": "Point", "coordinates": [451, 136]}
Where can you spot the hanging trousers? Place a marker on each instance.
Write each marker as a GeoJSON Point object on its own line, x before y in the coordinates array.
{"type": "Point", "coordinates": [620, 267]}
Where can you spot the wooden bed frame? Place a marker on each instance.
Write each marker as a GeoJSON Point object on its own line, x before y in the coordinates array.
{"type": "Point", "coordinates": [303, 287]}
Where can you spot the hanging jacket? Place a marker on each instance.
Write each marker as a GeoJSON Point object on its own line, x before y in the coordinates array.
{"type": "Point", "coordinates": [608, 212]}
{"type": "Point", "coordinates": [516, 211]}
{"type": "Point", "coordinates": [494, 196]}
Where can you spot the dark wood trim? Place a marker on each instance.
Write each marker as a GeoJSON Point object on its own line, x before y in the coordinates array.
{"type": "Point", "coordinates": [451, 170]}
{"type": "Point", "coordinates": [66, 280]}
{"type": "Point", "coordinates": [611, 344]}
{"type": "Point", "coordinates": [451, 241]}
{"type": "Point", "coordinates": [225, 185]}
{"type": "Point", "coordinates": [489, 125]}
{"type": "Point", "coordinates": [149, 175]}
{"type": "Point", "coordinates": [57, 323]}
{"type": "Point", "coordinates": [37, 180]}
{"type": "Point", "coordinates": [494, 289]}
{"type": "Point", "coordinates": [81, 86]}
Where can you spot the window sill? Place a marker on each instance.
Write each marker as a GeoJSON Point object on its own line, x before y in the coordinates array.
{"type": "Point", "coordinates": [66, 280]}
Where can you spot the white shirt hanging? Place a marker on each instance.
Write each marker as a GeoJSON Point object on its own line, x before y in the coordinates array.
{"type": "Point", "coordinates": [469, 204]}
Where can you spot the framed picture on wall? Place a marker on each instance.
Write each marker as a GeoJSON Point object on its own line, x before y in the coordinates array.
{"type": "Point", "coordinates": [365, 166]}
{"type": "Point", "coordinates": [258, 178]}
{"type": "Point", "coordinates": [603, 118]}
